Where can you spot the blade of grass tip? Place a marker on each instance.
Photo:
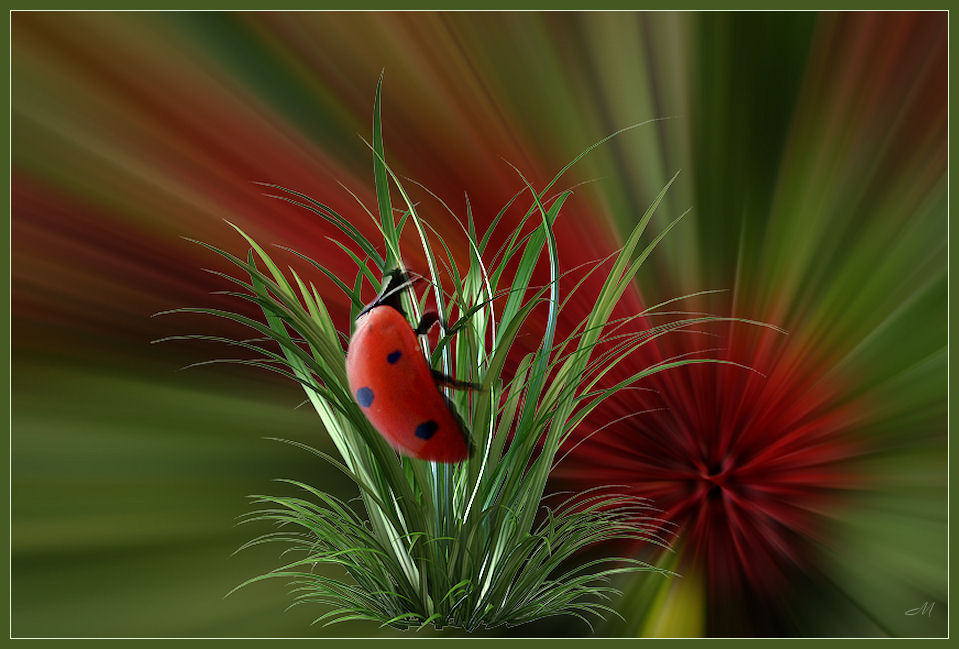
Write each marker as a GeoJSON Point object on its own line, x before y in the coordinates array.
{"type": "Point", "coordinates": [437, 198]}
{"type": "Point", "coordinates": [654, 369]}
{"type": "Point", "coordinates": [610, 293]}
{"type": "Point", "coordinates": [357, 302]}
{"type": "Point", "coordinates": [434, 616]}
{"type": "Point", "coordinates": [401, 616]}
{"type": "Point", "coordinates": [513, 242]}
{"type": "Point", "coordinates": [475, 253]}
{"type": "Point", "coordinates": [327, 213]}
{"type": "Point", "coordinates": [270, 356]}
{"type": "Point", "coordinates": [451, 268]}
{"type": "Point", "coordinates": [361, 264]}
{"type": "Point", "coordinates": [553, 254]}
{"type": "Point", "coordinates": [282, 291]}
{"type": "Point", "coordinates": [305, 295]}
{"type": "Point", "coordinates": [634, 267]}
{"type": "Point", "coordinates": [472, 238]}
{"type": "Point", "coordinates": [274, 269]}
{"type": "Point", "coordinates": [507, 335]}
{"type": "Point", "coordinates": [286, 343]}
{"type": "Point", "coordinates": [402, 224]}
{"type": "Point", "coordinates": [471, 223]}
{"type": "Point", "coordinates": [276, 313]}
{"type": "Point", "coordinates": [325, 315]}
{"type": "Point", "coordinates": [497, 218]}
{"type": "Point", "coordinates": [454, 271]}
{"type": "Point", "coordinates": [579, 157]}
{"type": "Point", "coordinates": [600, 429]}
{"type": "Point", "coordinates": [357, 305]}
{"type": "Point", "coordinates": [380, 174]}
{"type": "Point", "coordinates": [528, 261]}
{"type": "Point", "coordinates": [391, 243]}
{"type": "Point", "coordinates": [427, 249]}
{"type": "Point", "coordinates": [285, 307]}
{"type": "Point", "coordinates": [614, 286]}
{"type": "Point", "coordinates": [261, 364]}
{"type": "Point", "coordinates": [227, 276]}
{"type": "Point", "coordinates": [368, 490]}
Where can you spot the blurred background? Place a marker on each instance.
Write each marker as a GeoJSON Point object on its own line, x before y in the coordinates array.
{"type": "Point", "coordinates": [808, 497]}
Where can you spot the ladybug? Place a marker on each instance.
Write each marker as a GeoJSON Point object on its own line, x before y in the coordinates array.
{"type": "Point", "coordinates": [394, 384]}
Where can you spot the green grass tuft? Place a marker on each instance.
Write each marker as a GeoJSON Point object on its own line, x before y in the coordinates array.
{"type": "Point", "coordinates": [471, 545]}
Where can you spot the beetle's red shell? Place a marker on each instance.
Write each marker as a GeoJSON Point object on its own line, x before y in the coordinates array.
{"type": "Point", "coordinates": [392, 383]}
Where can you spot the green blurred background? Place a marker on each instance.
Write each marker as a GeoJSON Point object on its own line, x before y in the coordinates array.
{"type": "Point", "coordinates": [812, 150]}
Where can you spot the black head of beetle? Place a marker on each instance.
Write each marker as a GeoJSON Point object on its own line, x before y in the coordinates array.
{"type": "Point", "coordinates": [395, 281]}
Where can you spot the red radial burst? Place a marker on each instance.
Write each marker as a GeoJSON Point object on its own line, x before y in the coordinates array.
{"type": "Point", "coordinates": [746, 463]}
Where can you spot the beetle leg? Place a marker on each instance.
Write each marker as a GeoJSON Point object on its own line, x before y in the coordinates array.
{"type": "Point", "coordinates": [447, 380]}
{"type": "Point", "coordinates": [471, 448]}
{"type": "Point", "coordinates": [429, 319]}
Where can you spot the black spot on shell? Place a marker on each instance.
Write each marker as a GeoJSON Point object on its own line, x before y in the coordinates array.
{"type": "Point", "coordinates": [427, 429]}
{"type": "Point", "coordinates": [393, 356]}
{"type": "Point", "coordinates": [364, 397]}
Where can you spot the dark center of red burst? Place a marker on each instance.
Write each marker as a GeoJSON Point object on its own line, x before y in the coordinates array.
{"type": "Point", "coordinates": [744, 467]}
{"type": "Point", "coordinates": [712, 481]}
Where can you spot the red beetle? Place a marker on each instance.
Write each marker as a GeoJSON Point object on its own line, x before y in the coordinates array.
{"type": "Point", "coordinates": [394, 385]}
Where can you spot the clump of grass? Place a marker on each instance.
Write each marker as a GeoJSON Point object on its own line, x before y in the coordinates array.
{"type": "Point", "coordinates": [470, 545]}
